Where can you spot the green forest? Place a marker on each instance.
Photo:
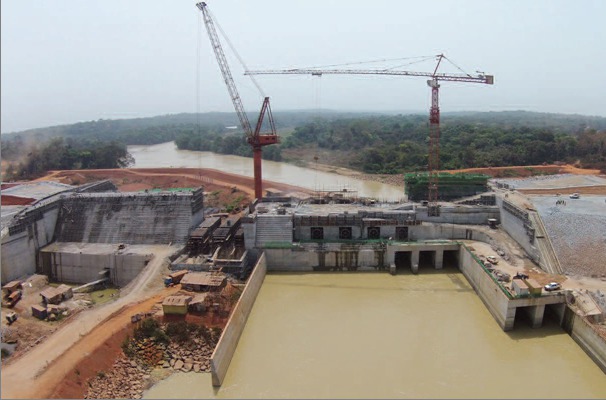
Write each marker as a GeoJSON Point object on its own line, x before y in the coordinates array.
{"type": "Point", "coordinates": [59, 153]}
{"type": "Point", "coordinates": [396, 144]}
{"type": "Point", "coordinates": [370, 142]}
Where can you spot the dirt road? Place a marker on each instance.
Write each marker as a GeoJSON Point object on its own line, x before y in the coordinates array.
{"type": "Point", "coordinates": [599, 190]}
{"type": "Point", "coordinates": [167, 177]}
{"type": "Point", "coordinates": [29, 377]}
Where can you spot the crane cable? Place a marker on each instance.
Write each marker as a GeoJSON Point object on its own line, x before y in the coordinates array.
{"type": "Point", "coordinates": [233, 49]}
{"type": "Point", "coordinates": [198, 71]}
{"type": "Point", "coordinates": [368, 62]}
{"type": "Point", "coordinates": [457, 67]}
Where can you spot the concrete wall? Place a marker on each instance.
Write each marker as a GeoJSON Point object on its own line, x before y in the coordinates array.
{"type": "Point", "coordinates": [502, 305]}
{"type": "Point", "coordinates": [19, 250]}
{"type": "Point", "coordinates": [84, 268]}
{"type": "Point", "coordinates": [514, 227]}
{"type": "Point", "coordinates": [137, 218]}
{"type": "Point", "coordinates": [221, 357]}
{"type": "Point", "coordinates": [290, 260]}
{"type": "Point", "coordinates": [469, 215]}
{"type": "Point", "coordinates": [495, 300]}
{"type": "Point", "coordinates": [449, 231]}
{"type": "Point", "coordinates": [426, 231]}
{"type": "Point", "coordinates": [590, 341]}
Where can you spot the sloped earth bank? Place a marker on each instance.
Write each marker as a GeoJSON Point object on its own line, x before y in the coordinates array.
{"type": "Point", "coordinates": [495, 172]}
{"type": "Point", "coordinates": [106, 372]}
{"type": "Point", "coordinates": [163, 178]}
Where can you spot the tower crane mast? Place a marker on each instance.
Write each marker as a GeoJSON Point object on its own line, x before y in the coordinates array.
{"type": "Point", "coordinates": [434, 113]}
{"type": "Point", "coordinates": [254, 138]}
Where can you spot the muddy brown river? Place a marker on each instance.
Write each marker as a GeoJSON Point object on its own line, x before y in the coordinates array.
{"type": "Point", "coordinates": [373, 335]}
{"type": "Point", "coordinates": [167, 155]}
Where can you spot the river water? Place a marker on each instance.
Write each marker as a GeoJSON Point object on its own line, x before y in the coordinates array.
{"type": "Point", "coordinates": [167, 155]}
{"type": "Point", "coordinates": [373, 335]}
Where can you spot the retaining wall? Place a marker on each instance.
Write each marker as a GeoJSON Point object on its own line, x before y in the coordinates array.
{"type": "Point", "coordinates": [20, 248]}
{"type": "Point", "coordinates": [224, 351]}
{"type": "Point", "coordinates": [593, 344]}
{"type": "Point", "coordinates": [514, 226]}
{"type": "Point", "coordinates": [134, 218]}
{"type": "Point", "coordinates": [85, 267]}
{"type": "Point", "coordinates": [495, 299]}
{"type": "Point", "coordinates": [469, 215]}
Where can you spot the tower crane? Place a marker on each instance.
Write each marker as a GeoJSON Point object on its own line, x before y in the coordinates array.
{"type": "Point", "coordinates": [434, 114]}
{"type": "Point", "coordinates": [254, 138]}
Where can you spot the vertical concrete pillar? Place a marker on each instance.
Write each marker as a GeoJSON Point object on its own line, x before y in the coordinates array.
{"type": "Point", "coordinates": [392, 268]}
{"type": "Point", "coordinates": [438, 259]}
{"type": "Point", "coordinates": [414, 261]}
{"type": "Point", "coordinates": [536, 315]}
{"type": "Point", "coordinates": [510, 316]}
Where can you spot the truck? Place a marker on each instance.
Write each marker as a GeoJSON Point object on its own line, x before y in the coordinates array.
{"type": "Point", "coordinates": [13, 298]}
{"type": "Point", "coordinates": [11, 317]}
{"type": "Point", "coordinates": [175, 277]}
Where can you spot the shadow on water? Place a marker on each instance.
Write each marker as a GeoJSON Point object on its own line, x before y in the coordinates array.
{"type": "Point", "coordinates": [451, 271]}
{"type": "Point", "coordinates": [523, 330]}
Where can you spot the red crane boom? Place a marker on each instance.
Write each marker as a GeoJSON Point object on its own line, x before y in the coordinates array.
{"type": "Point", "coordinates": [434, 113]}
{"type": "Point", "coordinates": [254, 138]}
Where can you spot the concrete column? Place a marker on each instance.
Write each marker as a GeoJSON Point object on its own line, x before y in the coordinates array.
{"type": "Point", "coordinates": [510, 317]}
{"type": "Point", "coordinates": [536, 315]}
{"type": "Point", "coordinates": [414, 261]}
{"type": "Point", "coordinates": [438, 260]}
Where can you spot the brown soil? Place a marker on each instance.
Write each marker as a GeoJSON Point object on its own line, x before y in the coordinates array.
{"type": "Point", "coordinates": [74, 384]}
{"type": "Point", "coordinates": [111, 334]}
{"type": "Point", "coordinates": [81, 356]}
{"type": "Point", "coordinates": [226, 189]}
{"type": "Point", "coordinates": [528, 170]}
{"type": "Point", "coordinates": [600, 190]}
{"type": "Point", "coordinates": [495, 172]}
{"type": "Point", "coordinates": [8, 200]}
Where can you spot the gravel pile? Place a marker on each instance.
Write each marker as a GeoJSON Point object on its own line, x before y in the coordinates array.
{"type": "Point", "coordinates": [579, 241]}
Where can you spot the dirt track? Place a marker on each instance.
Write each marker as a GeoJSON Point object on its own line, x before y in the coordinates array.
{"type": "Point", "coordinates": [149, 178]}
{"type": "Point", "coordinates": [600, 190]}
{"type": "Point", "coordinates": [36, 373]}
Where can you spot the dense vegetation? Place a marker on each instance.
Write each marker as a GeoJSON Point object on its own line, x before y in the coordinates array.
{"type": "Point", "coordinates": [231, 143]}
{"type": "Point", "coordinates": [372, 142]}
{"type": "Point", "coordinates": [394, 144]}
{"type": "Point", "coordinates": [59, 153]}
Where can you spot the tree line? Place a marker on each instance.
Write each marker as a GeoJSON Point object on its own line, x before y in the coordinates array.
{"type": "Point", "coordinates": [397, 144]}
{"type": "Point", "coordinates": [370, 142]}
{"type": "Point", "coordinates": [60, 153]}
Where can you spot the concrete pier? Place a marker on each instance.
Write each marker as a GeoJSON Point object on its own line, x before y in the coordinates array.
{"type": "Point", "coordinates": [536, 314]}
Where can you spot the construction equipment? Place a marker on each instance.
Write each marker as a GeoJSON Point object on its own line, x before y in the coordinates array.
{"type": "Point", "coordinates": [11, 317]}
{"type": "Point", "coordinates": [254, 138]}
{"type": "Point", "coordinates": [434, 113]}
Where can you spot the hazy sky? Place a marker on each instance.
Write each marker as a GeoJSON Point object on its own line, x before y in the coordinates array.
{"type": "Point", "coordinates": [67, 61]}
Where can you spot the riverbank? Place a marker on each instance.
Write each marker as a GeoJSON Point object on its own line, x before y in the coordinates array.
{"type": "Point", "coordinates": [494, 172]}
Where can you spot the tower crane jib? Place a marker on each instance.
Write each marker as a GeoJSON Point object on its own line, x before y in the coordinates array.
{"type": "Point", "coordinates": [433, 208]}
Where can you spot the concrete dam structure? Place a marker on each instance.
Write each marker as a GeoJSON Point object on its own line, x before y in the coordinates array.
{"type": "Point", "coordinates": [78, 235]}
{"type": "Point", "coordinates": [133, 218]}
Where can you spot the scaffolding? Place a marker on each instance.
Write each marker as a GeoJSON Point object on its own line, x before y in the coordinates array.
{"type": "Point", "coordinates": [452, 186]}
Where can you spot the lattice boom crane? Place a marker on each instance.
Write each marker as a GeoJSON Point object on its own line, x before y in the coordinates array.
{"type": "Point", "coordinates": [254, 138]}
{"type": "Point", "coordinates": [434, 113]}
